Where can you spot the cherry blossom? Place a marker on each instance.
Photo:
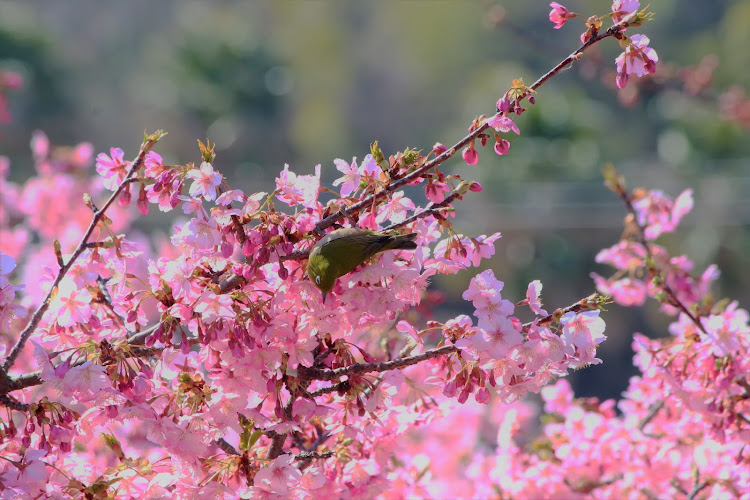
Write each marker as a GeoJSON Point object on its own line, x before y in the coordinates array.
{"type": "Point", "coordinates": [113, 168]}
{"type": "Point", "coordinates": [351, 179]}
{"type": "Point", "coordinates": [205, 181]}
{"type": "Point", "coordinates": [638, 59]}
{"type": "Point", "coordinates": [559, 15]}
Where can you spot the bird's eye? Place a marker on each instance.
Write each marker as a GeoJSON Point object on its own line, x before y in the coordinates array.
{"type": "Point", "coordinates": [317, 279]}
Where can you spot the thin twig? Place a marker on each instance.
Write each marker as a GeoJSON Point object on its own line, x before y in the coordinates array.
{"type": "Point", "coordinates": [653, 409]}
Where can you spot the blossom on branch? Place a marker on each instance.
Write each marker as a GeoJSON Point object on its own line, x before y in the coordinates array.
{"type": "Point", "coordinates": [559, 15]}
{"type": "Point", "coordinates": [205, 182]}
{"type": "Point", "coordinates": [112, 168]}
{"type": "Point", "coordinates": [638, 59]}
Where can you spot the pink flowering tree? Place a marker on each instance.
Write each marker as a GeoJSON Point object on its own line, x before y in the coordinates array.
{"type": "Point", "coordinates": [204, 364]}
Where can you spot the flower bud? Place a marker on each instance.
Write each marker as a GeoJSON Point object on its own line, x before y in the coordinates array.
{"type": "Point", "coordinates": [470, 155]}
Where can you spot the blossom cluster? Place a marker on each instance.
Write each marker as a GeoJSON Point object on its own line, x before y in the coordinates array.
{"type": "Point", "coordinates": [155, 361]}
{"type": "Point", "coordinates": [638, 58]}
{"type": "Point", "coordinates": [205, 364]}
{"type": "Point", "coordinates": [681, 429]}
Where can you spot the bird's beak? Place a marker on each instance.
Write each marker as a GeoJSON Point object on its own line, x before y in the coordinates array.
{"type": "Point", "coordinates": [324, 297]}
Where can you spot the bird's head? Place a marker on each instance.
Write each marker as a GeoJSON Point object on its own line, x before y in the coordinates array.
{"type": "Point", "coordinates": [320, 274]}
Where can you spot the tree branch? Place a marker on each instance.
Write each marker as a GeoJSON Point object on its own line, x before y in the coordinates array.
{"type": "Point", "coordinates": [321, 374]}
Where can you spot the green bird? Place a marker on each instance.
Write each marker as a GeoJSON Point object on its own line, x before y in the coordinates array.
{"type": "Point", "coordinates": [342, 250]}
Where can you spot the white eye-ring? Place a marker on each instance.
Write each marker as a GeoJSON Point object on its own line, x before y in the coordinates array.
{"type": "Point", "coordinates": [317, 279]}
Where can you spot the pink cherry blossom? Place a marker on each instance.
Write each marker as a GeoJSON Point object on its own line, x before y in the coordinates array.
{"type": "Point", "coordinates": [199, 233]}
{"type": "Point", "coordinates": [298, 189]}
{"type": "Point", "coordinates": [638, 59]}
{"type": "Point", "coordinates": [533, 293]}
{"type": "Point", "coordinates": [205, 182]}
{"type": "Point", "coordinates": [29, 474]}
{"type": "Point", "coordinates": [84, 382]}
{"type": "Point", "coordinates": [625, 254]}
{"type": "Point", "coordinates": [497, 341]}
{"type": "Point", "coordinates": [350, 181]}
{"type": "Point", "coordinates": [621, 9]}
{"type": "Point", "coordinates": [582, 331]}
{"type": "Point", "coordinates": [439, 148]}
{"type": "Point", "coordinates": [396, 209]}
{"type": "Point", "coordinates": [153, 164]}
{"type": "Point", "coordinates": [279, 476]}
{"type": "Point", "coordinates": [503, 123]}
{"type": "Point", "coordinates": [660, 214]}
{"type": "Point", "coordinates": [484, 288]}
{"type": "Point", "coordinates": [214, 307]}
{"type": "Point", "coordinates": [724, 332]}
{"type": "Point", "coordinates": [625, 291]}
{"type": "Point", "coordinates": [72, 304]}
{"type": "Point", "coordinates": [435, 191]}
{"type": "Point", "coordinates": [114, 169]}
{"type": "Point", "coordinates": [559, 15]}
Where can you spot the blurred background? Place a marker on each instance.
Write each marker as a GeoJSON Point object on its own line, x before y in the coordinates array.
{"type": "Point", "coordinates": [304, 82]}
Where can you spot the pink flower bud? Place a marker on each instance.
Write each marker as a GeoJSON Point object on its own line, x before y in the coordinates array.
{"type": "Point", "coordinates": [470, 155]}
{"type": "Point", "coordinates": [247, 248]}
{"type": "Point", "coordinates": [463, 396]}
{"type": "Point", "coordinates": [283, 272]}
{"type": "Point", "coordinates": [125, 197]}
{"type": "Point", "coordinates": [475, 187]}
{"type": "Point", "coordinates": [450, 389]}
{"type": "Point", "coordinates": [482, 395]}
{"type": "Point", "coordinates": [142, 202]}
{"type": "Point", "coordinates": [621, 80]}
{"type": "Point", "coordinates": [503, 105]}
{"type": "Point", "coordinates": [502, 147]}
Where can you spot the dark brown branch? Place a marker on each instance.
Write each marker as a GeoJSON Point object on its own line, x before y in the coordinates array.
{"type": "Point", "coordinates": [277, 444]}
{"type": "Point", "coordinates": [321, 374]}
{"type": "Point", "coordinates": [430, 209]}
{"type": "Point", "coordinates": [341, 386]}
{"type": "Point", "coordinates": [13, 405]}
{"type": "Point", "coordinates": [308, 455]}
{"type": "Point", "coordinates": [226, 447]}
